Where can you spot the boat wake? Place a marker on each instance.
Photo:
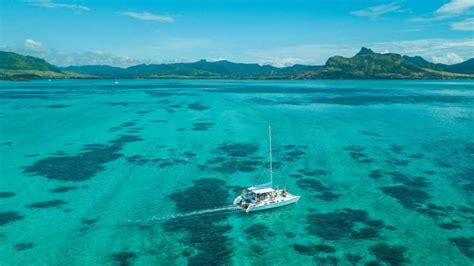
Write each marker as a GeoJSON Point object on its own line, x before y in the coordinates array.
{"type": "Point", "coordinates": [154, 219]}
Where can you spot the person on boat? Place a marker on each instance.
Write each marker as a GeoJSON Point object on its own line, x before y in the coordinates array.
{"type": "Point", "coordinates": [272, 197]}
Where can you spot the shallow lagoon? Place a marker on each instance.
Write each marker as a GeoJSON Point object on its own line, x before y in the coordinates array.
{"type": "Point", "coordinates": [94, 172]}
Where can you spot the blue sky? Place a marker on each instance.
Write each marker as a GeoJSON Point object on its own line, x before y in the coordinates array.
{"type": "Point", "coordinates": [267, 32]}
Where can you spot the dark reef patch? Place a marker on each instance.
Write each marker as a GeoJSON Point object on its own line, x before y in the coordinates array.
{"type": "Point", "coordinates": [397, 149]}
{"type": "Point", "coordinates": [375, 174]}
{"type": "Point", "coordinates": [317, 172]}
{"type": "Point", "coordinates": [9, 217]}
{"type": "Point", "coordinates": [7, 143]}
{"type": "Point", "coordinates": [398, 162]}
{"type": "Point", "coordinates": [354, 100]}
{"type": "Point", "coordinates": [202, 126]}
{"type": "Point", "coordinates": [465, 245]}
{"type": "Point", "coordinates": [303, 249]}
{"type": "Point", "coordinates": [373, 263]}
{"type": "Point", "coordinates": [442, 163]}
{"type": "Point", "coordinates": [46, 204]}
{"type": "Point", "coordinates": [416, 156]}
{"type": "Point", "coordinates": [162, 163]}
{"type": "Point", "coordinates": [4, 195]}
{"type": "Point", "coordinates": [143, 112]}
{"type": "Point", "coordinates": [86, 224]}
{"type": "Point", "coordinates": [230, 167]}
{"type": "Point", "coordinates": [89, 221]}
{"type": "Point", "coordinates": [83, 166]}
{"type": "Point", "coordinates": [356, 153]}
{"type": "Point", "coordinates": [323, 192]}
{"type": "Point", "coordinates": [327, 260]}
{"type": "Point", "coordinates": [410, 198]}
{"type": "Point", "coordinates": [163, 93]}
{"type": "Point", "coordinates": [312, 249]}
{"type": "Point", "coordinates": [118, 103]}
{"type": "Point", "coordinates": [291, 153]}
{"type": "Point", "coordinates": [323, 248]}
{"type": "Point", "coordinates": [205, 233]}
{"type": "Point", "coordinates": [296, 176]}
{"type": "Point", "coordinates": [124, 258]}
{"type": "Point", "coordinates": [259, 231]}
{"type": "Point", "coordinates": [393, 255]}
{"type": "Point", "coordinates": [31, 155]}
{"type": "Point", "coordinates": [257, 249]}
{"type": "Point", "coordinates": [429, 172]}
{"type": "Point", "coordinates": [469, 148]}
{"type": "Point", "coordinates": [196, 197]}
{"type": "Point", "coordinates": [57, 106]}
{"type": "Point", "coordinates": [465, 179]}
{"type": "Point", "coordinates": [343, 224]}
{"type": "Point", "coordinates": [435, 211]}
{"type": "Point", "coordinates": [353, 259]}
{"type": "Point", "coordinates": [189, 154]}
{"type": "Point", "coordinates": [237, 149]}
{"type": "Point", "coordinates": [24, 246]}
{"type": "Point", "coordinates": [234, 157]}
{"type": "Point", "coordinates": [370, 133]}
{"type": "Point", "coordinates": [63, 189]}
{"type": "Point", "coordinates": [452, 225]}
{"type": "Point", "coordinates": [197, 106]}
{"type": "Point", "coordinates": [415, 182]}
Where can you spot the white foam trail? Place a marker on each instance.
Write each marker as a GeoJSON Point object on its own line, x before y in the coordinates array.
{"type": "Point", "coordinates": [183, 215]}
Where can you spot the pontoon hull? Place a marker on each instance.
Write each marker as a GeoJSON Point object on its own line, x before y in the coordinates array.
{"type": "Point", "coordinates": [254, 208]}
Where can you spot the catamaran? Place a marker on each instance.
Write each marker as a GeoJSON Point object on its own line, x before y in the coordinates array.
{"type": "Point", "coordinates": [264, 196]}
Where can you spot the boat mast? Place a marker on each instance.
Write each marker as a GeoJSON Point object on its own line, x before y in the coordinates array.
{"type": "Point", "coordinates": [270, 145]}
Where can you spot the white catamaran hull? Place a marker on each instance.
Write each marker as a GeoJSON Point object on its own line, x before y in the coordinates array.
{"type": "Point", "coordinates": [266, 206]}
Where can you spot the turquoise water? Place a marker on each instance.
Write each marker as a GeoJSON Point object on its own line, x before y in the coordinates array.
{"type": "Point", "coordinates": [94, 172]}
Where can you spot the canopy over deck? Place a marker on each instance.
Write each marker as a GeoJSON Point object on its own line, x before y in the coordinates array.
{"type": "Point", "coordinates": [261, 190]}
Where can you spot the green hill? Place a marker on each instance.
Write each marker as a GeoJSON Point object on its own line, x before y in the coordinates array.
{"type": "Point", "coordinates": [466, 67]}
{"type": "Point", "coordinates": [14, 61]}
{"type": "Point", "coordinates": [199, 69]}
{"type": "Point", "coordinates": [15, 66]}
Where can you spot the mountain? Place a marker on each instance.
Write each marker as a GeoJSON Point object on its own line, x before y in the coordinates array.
{"type": "Point", "coordinates": [15, 66]}
{"type": "Point", "coordinates": [199, 69]}
{"type": "Point", "coordinates": [14, 61]}
{"type": "Point", "coordinates": [369, 65]}
{"type": "Point", "coordinates": [466, 67]}
{"type": "Point", "coordinates": [96, 70]}
{"type": "Point", "coordinates": [366, 64]}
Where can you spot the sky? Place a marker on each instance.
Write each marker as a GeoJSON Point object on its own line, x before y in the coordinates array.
{"type": "Point", "coordinates": [280, 33]}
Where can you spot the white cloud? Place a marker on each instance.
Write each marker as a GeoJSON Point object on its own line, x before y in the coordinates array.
{"type": "Point", "coordinates": [430, 48]}
{"type": "Point", "coordinates": [148, 16]}
{"type": "Point", "coordinates": [36, 49]}
{"type": "Point", "coordinates": [449, 58]}
{"type": "Point", "coordinates": [34, 45]}
{"type": "Point", "coordinates": [455, 7]}
{"type": "Point", "coordinates": [374, 12]}
{"type": "Point", "coordinates": [92, 58]}
{"type": "Point", "coordinates": [466, 25]}
{"type": "Point", "coordinates": [51, 4]}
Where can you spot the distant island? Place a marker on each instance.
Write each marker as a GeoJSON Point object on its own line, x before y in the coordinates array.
{"type": "Point", "coordinates": [366, 64]}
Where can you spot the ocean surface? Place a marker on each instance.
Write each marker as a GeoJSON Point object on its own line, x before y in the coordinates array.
{"type": "Point", "coordinates": [143, 172]}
